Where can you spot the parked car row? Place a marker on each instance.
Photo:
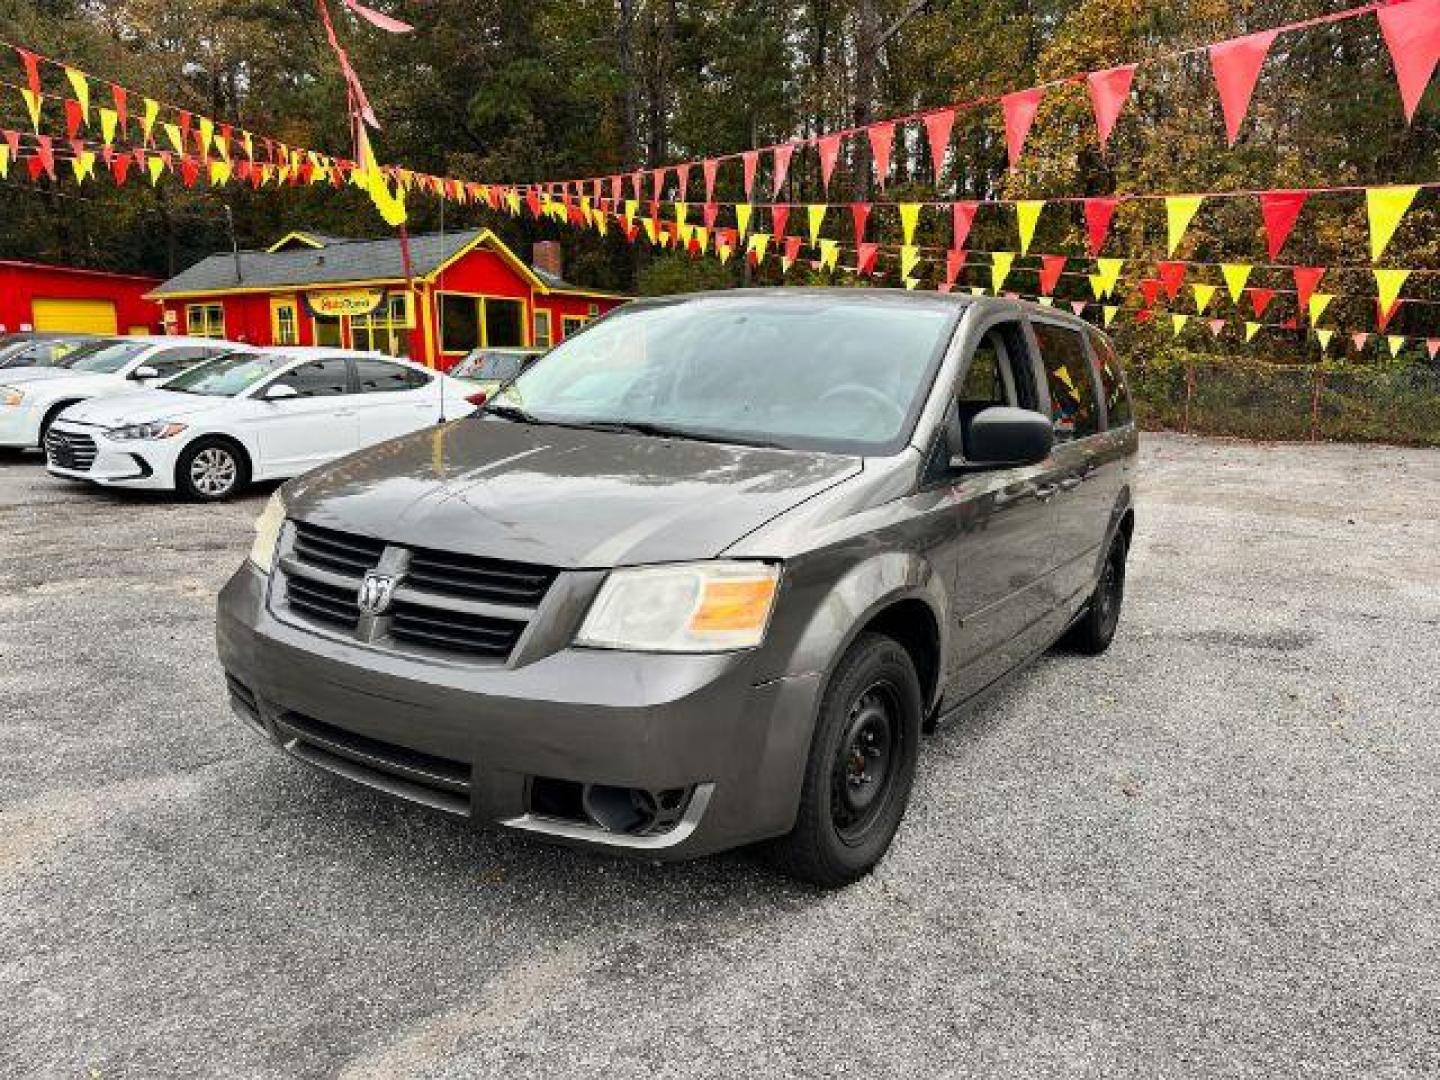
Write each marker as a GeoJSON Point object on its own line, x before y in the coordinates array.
{"type": "Point", "coordinates": [206, 417]}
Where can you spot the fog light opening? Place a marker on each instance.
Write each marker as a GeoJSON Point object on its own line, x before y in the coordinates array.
{"type": "Point", "coordinates": [636, 811]}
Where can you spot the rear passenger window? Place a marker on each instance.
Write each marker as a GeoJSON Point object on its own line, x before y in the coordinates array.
{"type": "Point", "coordinates": [1112, 382]}
{"type": "Point", "coordinates": [322, 378]}
{"type": "Point", "coordinates": [376, 376]}
{"type": "Point", "coordinates": [1074, 405]}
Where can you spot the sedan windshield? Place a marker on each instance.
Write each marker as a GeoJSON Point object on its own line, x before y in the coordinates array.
{"type": "Point", "coordinates": [104, 357]}
{"type": "Point", "coordinates": [228, 375]}
{"type": "Point", "coordinates": [845, 373]}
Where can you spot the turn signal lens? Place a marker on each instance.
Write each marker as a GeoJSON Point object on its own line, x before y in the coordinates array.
{"type": "Point", "coordinates": [683, 607]}
{"type": "Point", "coordinates": [733, 606]}
{"type": "Point", "coordinates": [267, 534]}
{"type": "Point", "coordinates": [10, 396]}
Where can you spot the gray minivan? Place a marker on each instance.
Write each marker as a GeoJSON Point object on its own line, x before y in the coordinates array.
{"type": "Point", "coordinates": [703, 575]}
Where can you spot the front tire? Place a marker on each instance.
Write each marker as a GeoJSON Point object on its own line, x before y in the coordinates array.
{"type": "Point", "coordinates": [1092, 634]}
{"type": "Point", "coordinates": [211, 470]}
{"type": "Point", "coordinates": [861, 767]}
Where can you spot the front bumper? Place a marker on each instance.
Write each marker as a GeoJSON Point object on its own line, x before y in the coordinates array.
{"type": "Point", "coordinates": [134, 463]}
{"type": "Point", "coordinates": [484, 741]}
{"type": "Point", "coordinates": [20, 425]}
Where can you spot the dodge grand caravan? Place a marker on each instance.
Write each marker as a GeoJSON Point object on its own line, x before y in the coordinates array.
{"type": "Point", "coordinates": [703, 575]}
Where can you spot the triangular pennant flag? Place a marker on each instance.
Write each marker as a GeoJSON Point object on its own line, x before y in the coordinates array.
{"type": "Point", "coordinates": [657, 184]}
{"type": "Point", "coordinates": [909, 217]}
{"type": "Point", "coordinates": [1216, 326]}
{"type": "Point", "coordinates": [1385, 206]}
{"type": "Point", "coordinates": [1177, 323]}
{"type": "Point", "coordinates": [109, 121]}
{"type": "Point", "coordinates": [815, 214]}
{"type": "Point", "coordinates": [1098, 214]}
{"type": "Point", "coordinates": [1358, 340]}
{"type": "Point", "coordinates": [829, 147]}
{"type": "Point", "coordinates": [1172, 276]}
{"type": "Point", "coordinates": [750, 159]}
{"type": "Point", "coordinates": [120, 169]}
{"type": "Point", "coordinates": [1179, 211]}
{"type": "Point", "coordinates": [155, 166]}
{"type": "Point", "coordinates": [1318, 303]}
{"type": "Point", "coordinates": [83, 165]}
{"type": "Point", "coordinates": [1000, 263]}
{"type": "Point", "coordinates": [1251, 329]}
{"type": "Point", "coordinates": [1324, 336]}
{"type": "Point", "coordinates": [32, 106]}
{"type": "Point", "coordinates": [1383, 315]}
{"type": "Point", "coordinates": [1260, 300]}
{"type": "Point", "coordinates": [4, 161]}
{"type": "Point", "coordinates": [859, 214]}
{"type": "Point", "coordinates": [865, 258]}
{"type": "Point", "coordinates": [73, 118]}
{"type": "Point", "coordinates": [1108, 91]}
{"type": "Point", "coordinates": [781, 155]}
{"type": "Point", "coordinates": [1388, 284]}
{"type": "Point", "coordinates": [1236, 275]}
{"type": "Point", "coordinates": [1236, 64]}
{"type": "Point", "coordinates": [1412, 34]}
{"type": "Point", "coordinates": [177, 140]}
{"type": "Point", "coordinates": [1110, 311]}
{"type": "Point", "coordinates": [219, 173]}
{"type": "Point", "coordinates": [1109, 274]}
{"type": "Point", "coordinates": [1203, 295]}
{"type": "Point", "coordinates": [1396, 343]}
{"type": "Point", "coordinates": [1051, 267]}
{"type": "Point", "coordinates": [938, 126]}
{"type": "Point", "coordinates": [964, 216]}
{"type": "Point", "coordinates": [790, 254]}
{"type": "Point", "coordinates": [1027, 215]}
{"type": "Point", "coordinates": [1097, 286]}
{"type": "Point", "coordinates": [206, 135]}
{"type": "Point", "coordinates": [909, 258]}
{"type": "Point", "coordinates": [954, 263]}
{"type": "Point", "coordinates": [779, 218]}
{"type": "Point", "coordinates": [147, 119]}
{"type": "Point", "coordinates": [1432, 346]}
{"type": "Point", "coordinates": [882, 137]}
{"type": "Point", "coordinates": [1279, 209]}
{"type": "Point", "coordinates": [708, 168]}
{"type": "Point", "coordinates": [829, 254]}
{"type": "Point", "coordinates": [1078, 306]}
{"type": "Point", "coordinates": [1019, 110]}
{"type": "Point", "coordinates": [81, 88]}
{"type": "Point", "coordinates": [759, 242]}
{"type": "Point", "coordinates": [1307, 280]}
{"type": "Point", "coordinates": [742, 218]}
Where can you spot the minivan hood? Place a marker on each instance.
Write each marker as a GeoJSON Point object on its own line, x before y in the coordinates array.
{"type": "Point", "coordinates": [562, 497]}
{"type": "Point", "coordinates": [140, 406]}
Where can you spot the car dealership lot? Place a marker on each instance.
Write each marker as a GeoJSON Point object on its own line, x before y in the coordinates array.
{"type": "Point", "coordinates": [1212, 850]}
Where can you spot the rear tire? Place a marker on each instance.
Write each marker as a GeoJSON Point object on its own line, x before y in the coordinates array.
{"type": "Point", "coordinates": [211, 470]}
{"type": "Point", "coordinates": [1092, 634]}
{"type": "Point", "coordinates": [861, 767]}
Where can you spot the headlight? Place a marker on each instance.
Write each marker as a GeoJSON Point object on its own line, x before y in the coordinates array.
{"type": "Point", "coordinates": [10, 396]}
{"type": "Point", "coordinates": [684, 607]}
{"type": "Point", "coordinates": [154, 429]}
{"type": "Point", "coordinates": [267, 534]}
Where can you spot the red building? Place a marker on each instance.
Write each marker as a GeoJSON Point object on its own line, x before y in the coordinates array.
{"type": "Point", "coordinates": [38, 297]}
{"type": "Point", "coordinates": [459, 291]}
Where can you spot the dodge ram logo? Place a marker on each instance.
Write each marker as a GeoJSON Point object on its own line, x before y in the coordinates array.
{"type": "Point", "coordinates": [375, 593]}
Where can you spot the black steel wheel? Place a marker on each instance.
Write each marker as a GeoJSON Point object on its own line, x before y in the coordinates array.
{"type": "Point", "coordinates": [1094, 631]}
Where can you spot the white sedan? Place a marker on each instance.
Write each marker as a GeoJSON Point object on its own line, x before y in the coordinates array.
{"type": "Point", "coordinates": [250, 416]}
{"type": "Point", "coordinates": [31, 397]}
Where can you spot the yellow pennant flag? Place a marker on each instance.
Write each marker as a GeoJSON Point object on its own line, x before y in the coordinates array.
{"type": "Point", "coordinates": [759, 244]}
{"type": "Point", "coordinates": [147, 118]}
{"type": "Point", "coordinates": [1236, 275]}
{"type": "Point", "coordinates": [1027, 215]}
{"type": "Point", "coordinates": [1389, 283]}
{"type": "Point", "coordinates": [109, 122]}
{"type": "Point", "coordinates": [742, 219]}
{"type": "Point", "coordinates": [1203, 295]}
{"type": "Point", "coordinates": [32, 105]}
{"type": "Point", "coordinates": [1396, 343]}
{"type": "Point", "coordinates": [1097, 285]}
{"type": "Point", "coordinates": [909, 218]}
{"type": "Point", "coordinates": [172, 132]}
{"type": "Point", "coordinates": [512, 202]}
{"type": "Point", "coordinates": [83, 166]}
{"type": "Point", "coordinates": [1385, 206]}
{"type": "Point", "coordinates": [785, 263]}
{"type": "Point", "coordinates": [650, 233]}
{"type": "Point", "coordinates": [155, 166]}
{"type": "Point", "coordinates": [1179, 210]}
{"type": "Point", "coordinates": [4, 161]}
{"type": "Point", "coordinates": [389, 202]}
{"type": "Point", "coordinates": [909, 259]}
{"type": "Point", "coordinates": [1324, 336]}
{"type": "Point", "coordinates": [723, 250]}
{"type": "Point", "coordinates": [911, 282]}
{"type": "Point", "coordinates": [1318, 303]}
{"type": "Point", "coordinates": [682, 211]}
{"type": "Point", "coordinates": [600, 220]}
{"type": "Point", "coordinates": [632, 207]}
{"type": "Point", "coordinates": [1110, 311]}
{"type": "Point", "coordinates": [1177, 323]}
{"type": "Point", "coordinates": [219, 173]}
{"type": "Point", "coordinates": [1000, 263]}
{"type": "Point", "coordinates": [1251, 329]}
{"type": "Point", "coordinates": [207, 135]}
{"type": "Point", "coordinates": [81, 88]}
{"type": "Point", "coordinates": [829, 254]}
{"type": "Point", "coordinates": [816, 213]}
{"type": "Point", "coordinates": [1109, 274]}
{"type": "Point", "coordinates": [685, 231]}
{"type": "Point", "coordinates": [702, 238]}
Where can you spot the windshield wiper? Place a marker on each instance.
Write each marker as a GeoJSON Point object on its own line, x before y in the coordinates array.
{"type": "Point", "coordinates": [512, 413]}
{"type": "Point", "coordinates": [667, 431]}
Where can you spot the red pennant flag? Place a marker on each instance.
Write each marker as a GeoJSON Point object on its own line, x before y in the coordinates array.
{"type": "Point", "coordinates": [938, 126]}
{"type": "Point", "coordinates": [792, 248]}
{"type": "Point", "coordinates": [682, 180]}
{"type": "Point", "coordinates": [632, 230]}
{"type": "Point", "coordinates": [1279, 210]}
{"type": "Point", "coordinates": [1099, 212]}
{"type": "Point", "coordinates": [120, 169]}
{"type": "Point", "coordinates": [122, 107]}
{"type": "Point", "coordinates": [954, 263]}
{"type": "Point", "coordinates": [1432, 346]}
{"type": "Point", "coordinates": [1412, 34]}
{"type": "Point", "coordinates": [709, 167]}
{"type": "Point", "coordinates": [779, 216]}
{"type": "Point", "coordinates": [709, 214]}
{"type": "Point", "coordinates": [1172, 276]}
{"type": "Point", "coordinates": [1307, 280]}
{"type": "Point", "coordinates": [1144, 315]}
{"type": "Point", "coordinates": [860, 212]}
{"type": "Point", "coordinates": [1359, 340]}
{"type": "Point", "coordinates": [865, 258]}
{"type": "Point", "coordinates": [882, 137]}
{"type": "Point", "coordinates": [77, 148]}
{"type": "Point", "coordinates": [1216, 325]}
{"type": "Point", "coordinates": [1260, 300]}
{"type": "Point", "coordinates": [1051, 267]}
{"type": "Point", "coordinates": [1108, 92]}
{"type": "Point", "coordinates": [750, 158]}
{"type": "Point", "coordinates": [34, 166]}
{"type": "Point", "coordinates": [1290, 324]}
{"type": "Point", "coordinates": [1383, 315]}
{"type": "Point", "coordinates": [964, 215]}
{"type": "Point", "coordinates": [1078, 306]}
{"type": "Point", "coordinates": [636, 178]}
{"type": "Point", "coordinates": [186, 120]}
{"type": "Point", "coordinates": [617, 193]}
{"type": "Point", "coordinates": [189, 170]}
{"type": "Point", "coordinates": [45, 154]}
{"type": "Point", "coordinates": [32, 70]}
{"type": "Point", "coordinates": [657, 184]}
{"type": "Point", "coordinates": [1019, 109]}
{"type": "Point", "coordinates": [1150, 291]}
{"type": "Point", "coordinates": [829, 147]}
{"type": "Point", "coordinates": [532, 200]}
{"type": "Point", "coordinates": [782, 155]}
{"type": "Point", "coordinates": [1236, 64]}
{"type": "Point", "coordinates": [73, 118]}
{"type": "Point", "coordinates": [12, 140]}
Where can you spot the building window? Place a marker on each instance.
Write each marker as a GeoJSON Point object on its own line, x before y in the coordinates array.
{"type": "Point", "coordinates": [327, 331]}
{"type": "Point", "coordinates": [475, 322]}
{"type": "Point", "coordinates": [284, 327]}
{"type": "Point", "coordinates": [205, 320]}
{"type": "Point", "coordinates": [594, 310]}
{"type": "Point", "coordinates": [542, 335]}
{"type": "Point", "coordinates": [572, 323]}
{"type": "Point", "coordinates": [387, 331]}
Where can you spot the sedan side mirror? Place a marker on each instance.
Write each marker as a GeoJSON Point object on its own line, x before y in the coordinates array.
{"type": "Point", "coordinates": [1001, 436]}
{"type": "Point", "coordinates": [279, 392]}
{"type": "Point", "coordinates": [145, 371]}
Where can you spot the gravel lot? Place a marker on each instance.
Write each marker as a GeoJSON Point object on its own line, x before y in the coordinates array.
{"type": "Point", "coordinates": [1213, 851]}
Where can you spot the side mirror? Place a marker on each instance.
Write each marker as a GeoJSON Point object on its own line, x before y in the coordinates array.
{"type": "Point", "coordinates": [144, 371]}
{"type": "Point", "coordinates": [1001, 436]}
{"type": "Point", "coordinates": [279, 392]}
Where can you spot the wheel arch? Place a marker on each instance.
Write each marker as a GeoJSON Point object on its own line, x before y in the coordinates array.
{"type": "Point", "coordinates": [247, 460]}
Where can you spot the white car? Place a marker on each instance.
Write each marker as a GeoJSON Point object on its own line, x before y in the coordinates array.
{"type": "Point", "coordinates": [31, 398]}
{"type": "Point", "coordinates": [250, 416]}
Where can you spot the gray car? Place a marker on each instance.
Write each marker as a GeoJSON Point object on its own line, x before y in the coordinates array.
{"type": "Point", "coordinates": [702, 576]}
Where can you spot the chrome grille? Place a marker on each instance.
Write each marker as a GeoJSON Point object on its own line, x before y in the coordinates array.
{"type": "Point", "coordinates": [69, 450]}
{"type": "Point", "coordinates": [329, 549]}
{"type": "Point", "coordinates": [474, 578]}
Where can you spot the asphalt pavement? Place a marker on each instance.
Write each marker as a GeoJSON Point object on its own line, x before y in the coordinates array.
{"type": "Point", "coordinates": [1214, 851]}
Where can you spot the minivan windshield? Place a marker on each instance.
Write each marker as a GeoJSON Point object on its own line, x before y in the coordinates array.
{"type": "Point", "coordinates": [228, 375]}
{"type": "Point", "coordinates": [845, 373]}
{"type": "Point", "coordinates": [104, 357]}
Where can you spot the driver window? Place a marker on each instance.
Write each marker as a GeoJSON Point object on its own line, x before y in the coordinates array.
{"type": "Point", "coordinates": [999, 374]}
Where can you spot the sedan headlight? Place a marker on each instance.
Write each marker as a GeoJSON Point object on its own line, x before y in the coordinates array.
{"type": "Point", "coordinates": [153, 429]}
{"type": "Point", "coordinates": [267, 534]}
{"type": "Point", "coordinates": [11, 396]}
{"type": "Point", "coordinates": [683, 607]}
